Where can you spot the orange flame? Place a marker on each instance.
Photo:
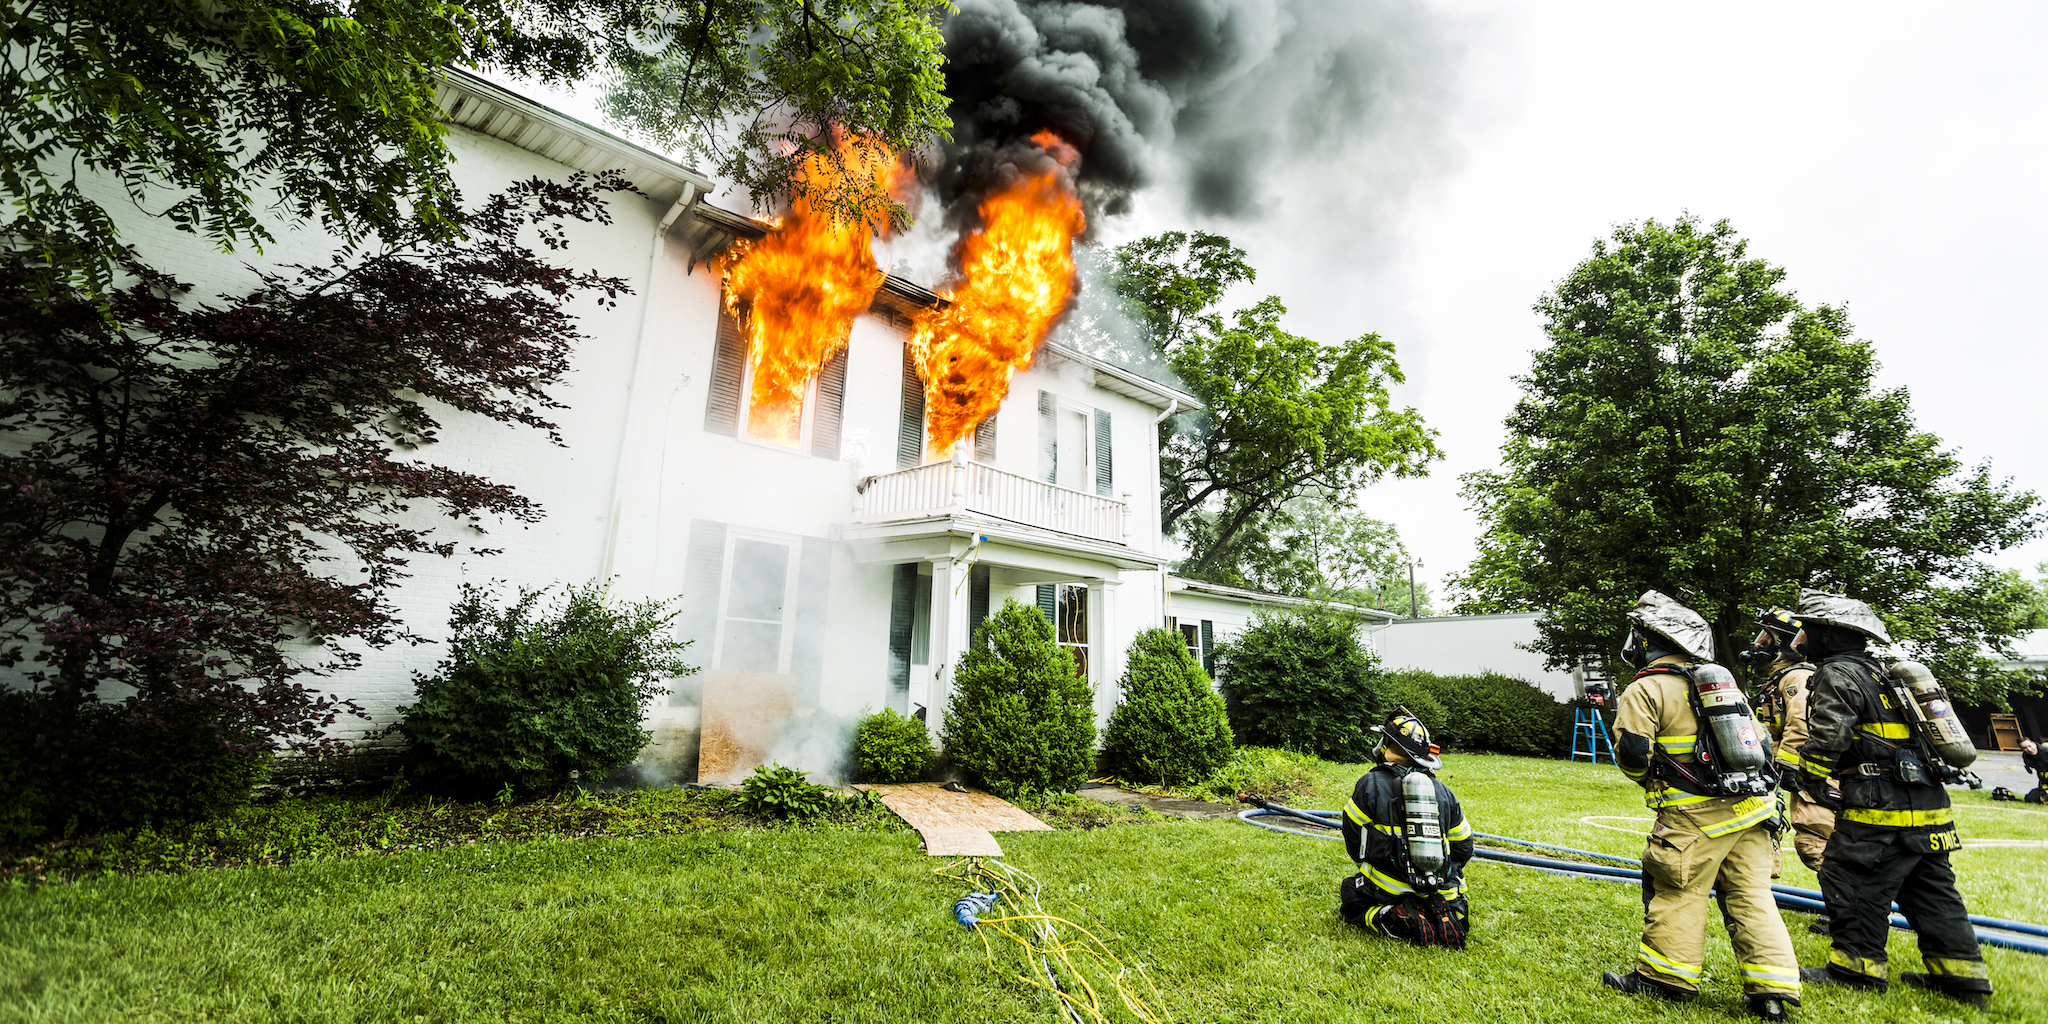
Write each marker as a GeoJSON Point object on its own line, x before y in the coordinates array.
{"type": "Point", "coordinates": [796, 293]}
{"type": "Point", "coordinates": [1016, 279]}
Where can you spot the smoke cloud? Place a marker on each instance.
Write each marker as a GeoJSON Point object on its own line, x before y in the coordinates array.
{"type": "Point", "coordinates": [1211, 96]}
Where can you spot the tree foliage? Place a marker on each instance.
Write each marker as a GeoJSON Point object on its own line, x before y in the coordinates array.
{"type": "Point", "coordinates": [205, 502]}
{"type": "Point", "coordinates": [531, 696]}
{"type": "Point", "coordinates": [1283, 415]}
{"type": "Point", "coordinates": [1170, 727]}
{"type": "Point", "coordinates": [1692, 427]}
{"type": "Point", "coordinates": [1022, 717]}
{"type": "Point", "coordinates": [194, 108]}
{"type": "Point", "coordinates": [1313, 547]}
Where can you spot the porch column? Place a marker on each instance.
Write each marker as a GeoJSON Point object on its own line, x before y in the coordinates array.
{"type": "Point", "coordinates": [1106, 648]}
{"type": "Point", "coordinates": [949, 626]}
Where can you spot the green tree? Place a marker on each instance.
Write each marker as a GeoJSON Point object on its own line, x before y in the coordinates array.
{"type": "Point", "coordinates": [1170, 727]}
{"type": "Point", "coordinates": [1314, 547]}
{"type": "Point", "coordinates": [1022, 718]}
{"type": "Point", "coordinates": [1282, 415]}
{"type": "Point", "coordinates": [195, 108]}
{"type": "Point", "coordinates": [1692, 427]}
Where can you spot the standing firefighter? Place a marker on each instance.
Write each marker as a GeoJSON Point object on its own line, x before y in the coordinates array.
{"type": "Point", "coordinates": [1783, 706]}
{"type": "Point", "coordinates": [1686, 737]}
{"type": "Point", "coordinates": [1894, 829]}
{"type": "Point", "coordinates": [1410, 840]}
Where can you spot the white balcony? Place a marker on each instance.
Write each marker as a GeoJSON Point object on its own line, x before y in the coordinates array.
{"type": "Point", "coordinates": [960, 485]}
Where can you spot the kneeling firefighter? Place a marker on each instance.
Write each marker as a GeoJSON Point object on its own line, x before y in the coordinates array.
{"type": "Point", "coordinates": [1686, 735]}
{"type": "Point", "coordinates": [1409, 837]}
{"type": "Point", "coordinates": [1889, 736]}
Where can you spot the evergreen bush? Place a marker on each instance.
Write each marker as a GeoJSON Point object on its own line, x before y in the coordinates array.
{"type": "Point", "coordinates": [889, 747]}
{"type": "Point", "coordinates": [530, 696]}
{"type": "Point", "coordinates": [1491, 711]}
{"type": "Point", "coordinates": [1022, 719]}
{"type": "Point", "coordinates": [1401, 691]}
{"type": "Point", "coordinates": [1300, 680]}
{"type": "Point", "coordinates": [1171, 726]}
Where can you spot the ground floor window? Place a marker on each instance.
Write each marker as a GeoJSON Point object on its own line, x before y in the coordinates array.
{"type": "Point", "coordinates": [1066, 606]}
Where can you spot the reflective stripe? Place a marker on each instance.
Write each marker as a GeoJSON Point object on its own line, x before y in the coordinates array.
{"type": "Point", "coordinates": [1898, 819]}
{"type": "Point", "coordinates": [1857, 965]}
{"type": "Point", "coordinates": [1749, 812]}
{"type": "Point", "coordinates": [1670, 968]}
{"type": "Point", "coordinates": [1634, 776]}
{"type": "Point", "coordinates": [1385, 881]}
{"type": "Point", "coordinates": [1791, 759]}
{"type": "Point", "coordinates": [1888, 730]}
{"type": "Point", "coordinates": [1392, 830]}
{"type": "Point", "coordinates": [1786, 978]}
{"type": "Point", "coordinates": [1677, 744]}
{"type": "Point", "coordinates": [1357, 816]}
{"type": "Point", "coordinates": [1657, 799]}
{"type": "Point", "coordinates": [1821, 764]}
{"type": "Point", "coordinates": [1956, 968]}
{"type": "Point", "coordinates": [1462, 830]}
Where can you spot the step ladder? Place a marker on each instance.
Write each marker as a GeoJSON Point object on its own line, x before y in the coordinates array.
{"type": "Point", "coordinates": [1589, 735]}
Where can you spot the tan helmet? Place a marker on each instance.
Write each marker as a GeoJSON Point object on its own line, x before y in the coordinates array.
{"type": "Point", "coordinates": [1818, 607]}
{"type": "Point", "coordinates": [1677, 625]}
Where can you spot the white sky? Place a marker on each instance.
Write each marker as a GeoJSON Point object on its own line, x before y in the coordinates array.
{"type": "Point", "coordinates": [1889, 156]}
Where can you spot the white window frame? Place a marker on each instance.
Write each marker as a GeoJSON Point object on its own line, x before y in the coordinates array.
{"type": "Point", "coordinates": [803, 430]}
{"type": "Point", "coordinates": [787, 644]}
{"type": "Point", "coordinates": [1063, 407]}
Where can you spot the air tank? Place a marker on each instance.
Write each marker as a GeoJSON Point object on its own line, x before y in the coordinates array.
{"type": "Point", "coordinates": [1738, 744]}
{"type": "Point", "coordinates": [1941, 727]}
{"type": "Point", "coordinates": [1422, 827]}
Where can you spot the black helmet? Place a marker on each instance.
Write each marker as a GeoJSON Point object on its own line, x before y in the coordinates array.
{"type": "Point", "coordinates": [1409, 736]}
{"type": "Point", "coordinates": [1776, 627]}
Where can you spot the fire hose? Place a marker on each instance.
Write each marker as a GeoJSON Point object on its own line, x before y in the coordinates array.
{"type": "Point", "coordinates": [2024, 936]}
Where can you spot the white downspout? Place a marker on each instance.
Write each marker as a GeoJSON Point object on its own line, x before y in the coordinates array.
{"type": "Point", "coordinates": [1165, 589]}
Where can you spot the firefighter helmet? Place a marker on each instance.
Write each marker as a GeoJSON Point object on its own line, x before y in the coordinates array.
{"type": "Point", "coordinates": [1407, 734]}
{"type": "Point", "coordinates": [1820, 608]}
{"type": "Point", "coordinates": [1658, 618]}
{"type": "Point", "coordinates": [1776, 627]}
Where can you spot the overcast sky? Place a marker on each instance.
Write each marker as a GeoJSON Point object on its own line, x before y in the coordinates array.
{"type": "Point", "coordinates": [1887, 155]}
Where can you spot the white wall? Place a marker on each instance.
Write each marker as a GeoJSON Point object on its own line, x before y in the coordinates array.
{"type": "Point", "coordinates": [1460, 645]}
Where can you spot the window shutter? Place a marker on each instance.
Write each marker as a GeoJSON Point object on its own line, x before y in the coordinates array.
{"type": "Point", "coordinates": [977, 599]}
{"type": "Point", "coordinates": [1103, 478]}
{"type": "Point", "coordinates": [697, 619]}
{"type": "Point", "coordinates": [728, 366]}
{"type": "Point", "coordinates": [902, 617]}
{"type": "Point", "coordinates": [813, 599]}
{"type": "Point", "coordinates": [1048, 440]}
{"type": "Point", "coordinates": [910, 435]}
{"type": "Point", "coordinates": [1209, 647]}
{"type": "Point", "coordinates": [985, 440]}
{"type": "Point", "coordinates": [1048, 604]}
{"type": "Point", "coordinates": [827, 417]}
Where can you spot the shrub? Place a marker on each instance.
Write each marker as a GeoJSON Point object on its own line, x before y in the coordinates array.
{"type": "Point", "coordinates": [774, 791]}
{"type": "Point", "coordinates": [94, 766]}
{"type": "Point", "coordinates": [530, 696]}
{"type": "Point", "coordinates": [1402, 691]}
{"type": "Point", "coordinates": [1301, 680]}
{"type": "Point", "coordinates": [1491, 711]}
{"type": "Point", "coordinates": [890, 747]}
{"type": "Point", "coordinates": [1170, 727]}
{"type": "Point", "coordinates": [1266, 772]}
{"type": "Point", "coordinates": [1022, 719]}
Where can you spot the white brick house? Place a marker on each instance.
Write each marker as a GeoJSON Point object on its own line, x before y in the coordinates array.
{"type": "Point", "coordinates": [816, 580]}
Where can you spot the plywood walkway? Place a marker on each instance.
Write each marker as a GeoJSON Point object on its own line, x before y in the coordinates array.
{"type": "Point", "coordinates": [956, 824]}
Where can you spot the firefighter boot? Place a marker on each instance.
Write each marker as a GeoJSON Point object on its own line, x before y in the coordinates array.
{"type": "Point", "coordinates": [1828, 976]}
{"type": "Point", "coordinates": [1768, 1007]}
{"type": "Point", "coordinates": [1635, 984]}
{"type": "Point", "coordinates": [1933, 984]}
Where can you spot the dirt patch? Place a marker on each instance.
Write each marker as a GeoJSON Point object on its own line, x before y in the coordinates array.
{"type": "Point", "coordinates": [1172, 807]}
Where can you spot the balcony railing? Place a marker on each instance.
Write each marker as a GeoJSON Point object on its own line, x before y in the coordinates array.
{"type": "Point", "coordinates": [961, 485]}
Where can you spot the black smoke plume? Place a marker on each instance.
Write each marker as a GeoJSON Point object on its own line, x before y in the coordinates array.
{"type": "Point", "coordinates": [1211, 94]}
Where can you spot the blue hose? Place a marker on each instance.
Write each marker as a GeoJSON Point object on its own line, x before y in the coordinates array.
{"type": "Point", "coordinates": [1788, 897]}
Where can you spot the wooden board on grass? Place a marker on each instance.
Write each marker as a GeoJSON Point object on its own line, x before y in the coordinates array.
{"type": "Point", "coordinates": [926, 803]}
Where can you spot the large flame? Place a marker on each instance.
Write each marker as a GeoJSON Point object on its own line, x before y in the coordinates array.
{"type": "Point", "coordinates": [1016, 276]}
{"type": "Point", "coordinates": [796, 293]}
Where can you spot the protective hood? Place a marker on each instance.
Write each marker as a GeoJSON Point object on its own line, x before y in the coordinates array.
{"type": "Point", "coordinates": [1819, 606]}
{"type": "Point", "coordinates": [1674, 622]}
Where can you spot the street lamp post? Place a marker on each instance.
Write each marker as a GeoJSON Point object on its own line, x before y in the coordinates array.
{"type": "Point", "coordinates": [1411, 587]}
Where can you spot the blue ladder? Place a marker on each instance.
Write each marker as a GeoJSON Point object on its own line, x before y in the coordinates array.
{"type": "Point", "coordinates": [1589, 735]}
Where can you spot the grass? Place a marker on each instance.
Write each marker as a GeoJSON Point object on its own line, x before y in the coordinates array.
{"type": "Point", "coordinates": [731, 921]}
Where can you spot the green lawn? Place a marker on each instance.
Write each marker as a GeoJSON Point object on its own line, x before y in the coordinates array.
{"type": "Point", "coordinates": [848, 923]}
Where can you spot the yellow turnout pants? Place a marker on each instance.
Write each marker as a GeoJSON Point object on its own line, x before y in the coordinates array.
{"type": "Point", "coordinates": [1682, 866]}
{"type": "Point", "coordinates": [1812, 824]}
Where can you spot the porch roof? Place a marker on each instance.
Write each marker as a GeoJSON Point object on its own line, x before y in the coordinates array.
{"type": "Point", "coordinates": [1003, 542]}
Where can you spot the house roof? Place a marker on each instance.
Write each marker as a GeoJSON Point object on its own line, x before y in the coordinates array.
{"type": "Point", "coordinates": [484, 106]}
{"type": "Point", "coordinates": [1179, 584]}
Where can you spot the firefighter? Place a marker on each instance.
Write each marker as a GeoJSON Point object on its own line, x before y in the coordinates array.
{"type": "Point", "coordinates": [1893, 829]}
{"type": "Point", "coordinates": [1783, 708]}
{"type": "Point", "coordinates": [1701, 843]}
{"type": "Point", "coordinates": [1410, 883]}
